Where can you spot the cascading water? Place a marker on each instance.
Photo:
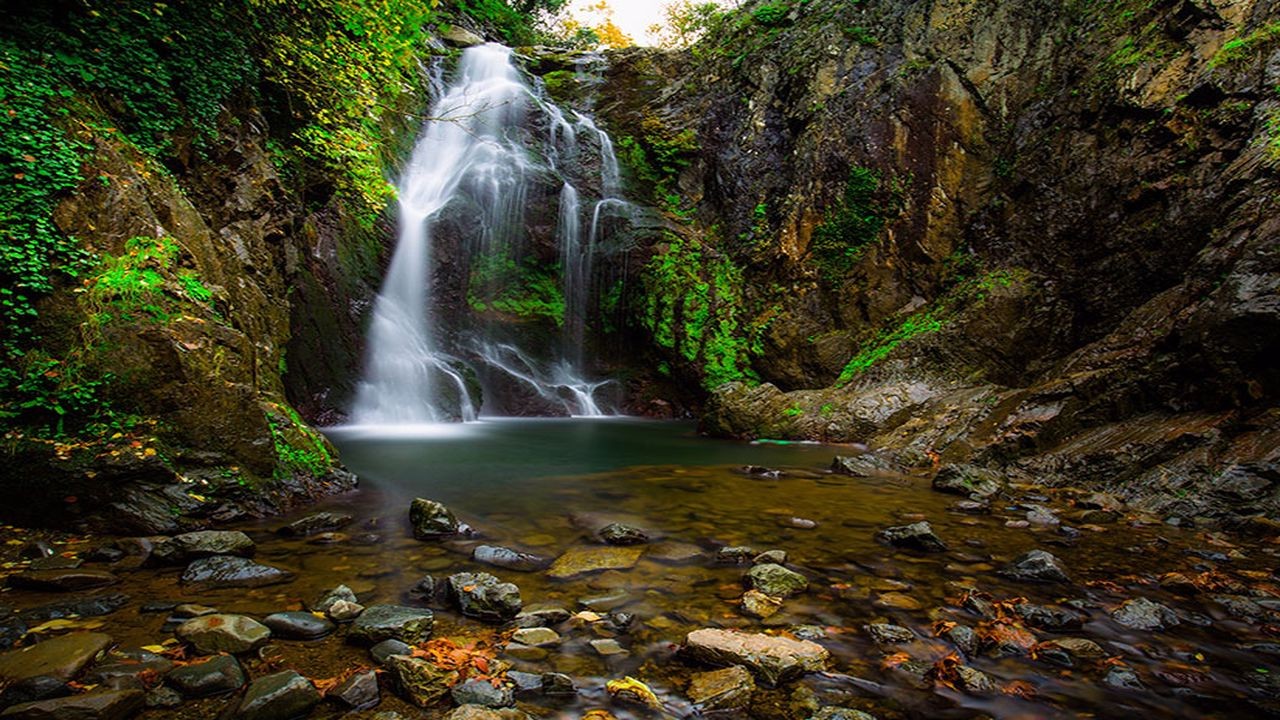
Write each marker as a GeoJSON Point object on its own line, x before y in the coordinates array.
{"type": "Point", "coordinates": [474, 155]}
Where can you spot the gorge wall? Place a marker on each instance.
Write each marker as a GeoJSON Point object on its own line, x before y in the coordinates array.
{"type": "Point", "coordinates": [1034, 235]}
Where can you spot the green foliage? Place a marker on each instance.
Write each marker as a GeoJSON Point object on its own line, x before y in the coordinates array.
{"type": "Point", "coordinates": [684, 22]}
{"type": "Point", "coordinates": [299, 448]}
{"type": "Point", "coordinates": [1243, 48]}
{"type": "Point", "coordinates": [344, 68]}
{"type": "Point", "coordinates": [51, 396]}
{"type": "Point", "coordinates": [513, 21]}
{"type": "Point", "coordinates": [523, 289]}
{"type": "Point", "coordinates": [793, 411]}
{"type": "Point", "coordinates": [853, 225]}
{"type": "Point", "coordinates": [886, 341]}
{"type": "Point", "coordinates": [657, 158]}
{"type": "Point", "coordinates": [771, 14]}
{"type": "Point", "coordinates": [143, 283]}
{"type": "Point", "coordinates": [966, 291]}
{"type": "Point", "coordinates": [39, 164]}
{"type": "Point", "coordinates": [694, 306]}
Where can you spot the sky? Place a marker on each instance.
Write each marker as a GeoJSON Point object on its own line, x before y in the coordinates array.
{"type": "Point", "coordinates": [633, 16]}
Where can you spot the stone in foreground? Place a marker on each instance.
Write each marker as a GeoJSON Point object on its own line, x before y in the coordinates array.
{"type": "Point", "coordinates": [431, 520]}
{"type": "Point", "coordinates": [62, 657]}
{"type": "Point", "coordinates": [916, 536]}
{"type": "Point", "coordinates": [1143, 614]}
{"type": "Point", "coordinates": [280, 696]}
{"type": "Point", "coordinates": [420, 681]}
{"type": "Point", "coordinates": [771, 659]}
{"type": "Point", "coordinates": [104, 705]}
{"type": "Point", "coordinates": [1036, 566]}
{"type": "Point", "coordinates": [212, 634]}
{"type": "Point", "coordinates": [221, 674]}
{"type": "Point", "coordinates": [391, 622]}
{"type": "Point", "coordinates": [485, 597]}
{"type": "Point", "coordinates": [200, 544]}
{"type": "Point", "coordinates": [582, 560]}
{"type": "Point", "coordinates": [358, 692]}
{"type": "Point", "coordinates": [227, 571]}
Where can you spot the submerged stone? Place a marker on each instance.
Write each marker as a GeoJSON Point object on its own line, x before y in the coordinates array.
{"type": "Point", "coordinates": [725, 689]}
{"type": "Point", "coordinates": [315, 524]}
{"type": "Point", "coordinates": [589, 559]}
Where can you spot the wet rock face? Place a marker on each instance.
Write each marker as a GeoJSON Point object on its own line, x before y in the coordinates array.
{"type": "Point", "coordinates": [1128, 288]}
{"type": "Point", "coordinates": [217, 633]}
{"type": "Point", "coordinates": [228, 571]}
{"type": "Point", "coordinates": [391, 622]}
{"type": "Point", "coordinates": [431, 520]}
{"type": "Point", "coordinates": [195, 545]}
{"type": "Point", "coordinates": [485, 597]}
{"type": "Point", "coordinates": [916, 536]}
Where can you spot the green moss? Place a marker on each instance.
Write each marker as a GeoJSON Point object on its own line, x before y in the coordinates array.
{"type": "Point", "coordinates": [657, 158]}
{"type": "Point", "coordinates": [143, 282]}
{"type": "Point", "coordinates": [793, 411]}
{"type": "Point", "coordinates": [694, 306]}
{"type": "Point", "coordinates": [1251, 45]}
{"type": "Point", "coordinates": [854, 224]}
{"type": "Point", "coordinates": [299, 448]}
{"type": "Point", "coordinates": [525, 289]}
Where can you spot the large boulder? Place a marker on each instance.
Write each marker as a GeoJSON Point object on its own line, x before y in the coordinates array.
{"type": "Point", "coordinates": [771, 659]}
{"type": "Point", "coordinates": [391, 622]}
{"type": "Point", "coordinates": [190, 546]}
{"type": "Point", "coordinates": [432, 520]}
{"type": "Point", "coordinates": [485, 597]}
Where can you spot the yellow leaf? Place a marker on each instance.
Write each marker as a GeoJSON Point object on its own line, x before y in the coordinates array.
{"type": "Point", "coordinates": [157, 649]}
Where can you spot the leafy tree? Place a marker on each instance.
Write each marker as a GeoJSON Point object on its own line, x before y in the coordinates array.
{"type": "Point", "coordinates": [685, 22]}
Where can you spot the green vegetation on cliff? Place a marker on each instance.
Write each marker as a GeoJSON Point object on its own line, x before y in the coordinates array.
{"type": "Point", "coordinates": [854, 224]}
{"type": "Point", "coordinates": [525, 289]}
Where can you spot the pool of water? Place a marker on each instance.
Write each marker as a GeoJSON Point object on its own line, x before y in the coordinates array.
{"type": "Point", "coordinates": [545, 487]}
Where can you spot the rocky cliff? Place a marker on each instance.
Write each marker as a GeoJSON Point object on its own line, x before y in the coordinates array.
{"type": "Point", "coordinates": [1035, 235]}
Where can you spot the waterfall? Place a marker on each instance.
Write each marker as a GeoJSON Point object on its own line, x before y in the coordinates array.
{"type": "Point", "coordinates": [475, 165]}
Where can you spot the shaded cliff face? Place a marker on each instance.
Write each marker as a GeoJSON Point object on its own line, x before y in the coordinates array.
{"type": "Point", "coordinates": [1029, 233]}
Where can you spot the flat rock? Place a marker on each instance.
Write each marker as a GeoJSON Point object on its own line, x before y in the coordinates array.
{"type": "Point", "coordinates": [1036, 566]}
{"type": "Point", "coordinates": [536, 637]}
{"type": "Point", "coordinates": [432, 520]}
{"type": "Point", "coordinates": [99, 705]}
{"type": "Point", "coordinates": [771, 659]}
{"type": "Point", "coordinates": [215, 676]}
{"type": "Point", "coordinates": [120, 670]}
{"type": "Point", "coordinates": [62, 657]}
{"type": "Point", "coordinates": [219, 633]}
{"type": "Point", "coordinates": [915, 536]}
{"type": "Point", "coordinates": [298, 625]}
{"type": "Point", "coordinates": [588, 559]}
{"type": "Point", "coordinates": [1066, 651]}
{"type": "Point", "coordinates": [190, 546]}
{"type": "Point", "coordinates": [776, 580]}
{"type": "Point", "coordinates": [725, 689]}
{"type": "Point", "coordinates": [886, 634]}
{"type": "Point", "coordinates": [226, 571]}
{"type": "Point", "coordinates": [280, 696]}
{"type": "Point", "coordinates": [508, 559]}
{"type": "Point", "coordinates": [480, 712]}
{"type": "Point", "coordinates": [315, 524]}
{"type": "Point", "coordinates": [62, 580]}
{"type": "Point", "coordinates": [384, 622]}
{"type": "Point", "coordinates": [673, 552]}
{"type": "Point", "coordinates": [1143, 614]}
